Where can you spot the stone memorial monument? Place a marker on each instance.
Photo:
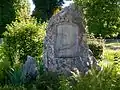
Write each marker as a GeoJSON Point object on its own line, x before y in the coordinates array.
{"type": "Point", "coordinates": [65, 48]}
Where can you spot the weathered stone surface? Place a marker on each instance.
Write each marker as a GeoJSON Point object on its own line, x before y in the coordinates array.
{"type": "Point", "coordinates": [65, 48]}
{"type": "Point", "coordinates": [30, 69]}
{"type": "Point", "coordinates": [66, 41]}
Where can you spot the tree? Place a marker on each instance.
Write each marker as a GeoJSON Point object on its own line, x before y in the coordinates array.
{"type": "Point", "coordinates": [102, 16]}
{"type": "Point", "coordinates": [10, 10]}
{"type": "Point", "coordinates": [7, 14]}
{"type": "Point", "coordinates": [44, 9]}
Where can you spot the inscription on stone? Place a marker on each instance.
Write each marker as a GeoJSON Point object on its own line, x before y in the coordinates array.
{"type": "Point", "coordinates": [66, 41]}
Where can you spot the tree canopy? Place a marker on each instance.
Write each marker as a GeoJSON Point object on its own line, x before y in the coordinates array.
{"type": "Point", "coordinates": [7, 14]}
{"type": "Point", "coordinates": [44, 9]}
{"type": "Point", "coordinates": [102, 16]}
{"type": "Point", "coordinates": [11, 10]}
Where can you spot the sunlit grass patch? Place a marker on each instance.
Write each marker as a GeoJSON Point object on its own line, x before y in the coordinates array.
{"type": "Point", "coordinates": [112, 44]}
{"type": "Point", "coordinates": [110, 54]}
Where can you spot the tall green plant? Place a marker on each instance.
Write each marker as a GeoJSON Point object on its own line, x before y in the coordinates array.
{"type": "Point", "coordinates": [15, 76]}
{"type": "Point", "coordinates": [22, 39]}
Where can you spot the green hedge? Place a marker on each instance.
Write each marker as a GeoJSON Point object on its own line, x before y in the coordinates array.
{"type": "Point", "coordinates": [96, 45]}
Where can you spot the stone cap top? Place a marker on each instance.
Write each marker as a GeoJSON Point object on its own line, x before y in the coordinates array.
{"type": "Point", "coordinates": [70, 14]}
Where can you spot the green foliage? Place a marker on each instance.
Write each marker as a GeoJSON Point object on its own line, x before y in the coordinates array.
{"type": "Point", "coordinates": [65, 84]}
{"type": "Point", "coordinates": [22, 39]}
{"type": "Point", "coordinates": [40, 67]}
{"type": "Point", "coordinates": [102, 16]}
{"type": "Point", "coordinates": [44, 9]}
{"type": "Point", "coordinates": [8, 87]}
{"type": "Point", "coordinates": [47, 81]}
{"type": "Point", "coordinates": [96, 45]}
{"type": "Point", "coordinates": [107, 79]}
{"type": "Point", "coordinates": [15, 76]}
{"type": "Point", "coordinates": [10, 10]}
{"type": "Point", "coordinates": [4, 67]}
{"type": "Point", "coordinates": [22, 9]}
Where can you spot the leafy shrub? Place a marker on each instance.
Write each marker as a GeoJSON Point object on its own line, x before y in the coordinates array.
{"type": "Point", "coordinates": [107, 79]}
{"type": "Point", "coordinates": [96, 45]}
{"type": "Point", "coordinates": [23, 38]}
{"type": "Point", "coordinates": [65, 83]}
{"type": "Point", "coordinates": [47, 81]}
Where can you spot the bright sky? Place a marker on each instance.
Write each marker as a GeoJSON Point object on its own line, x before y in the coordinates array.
{"type": "Point", "coordinates": [67, 3]}
{"type": "Point", "coordinates": [32, 6]}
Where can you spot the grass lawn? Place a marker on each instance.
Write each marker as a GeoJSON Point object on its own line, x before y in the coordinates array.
{"type": "Point", "coordinates": [110, 53]}
{"type": "Point", "coordinates": [111, 50]}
